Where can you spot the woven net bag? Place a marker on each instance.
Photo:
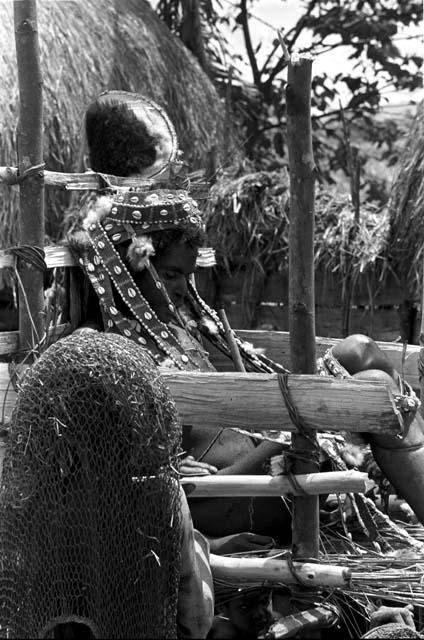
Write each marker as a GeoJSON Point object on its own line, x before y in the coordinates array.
{"type": "Point", "coordinates": [90, 519]}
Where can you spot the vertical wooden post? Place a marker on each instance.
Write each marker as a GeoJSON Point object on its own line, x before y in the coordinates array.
{"type": "Point", "coordinates": [30, 154]}
{"type": "Point", "coordinates": [421, 341]}
{"type": "Point", "coordinates": [301, 284]}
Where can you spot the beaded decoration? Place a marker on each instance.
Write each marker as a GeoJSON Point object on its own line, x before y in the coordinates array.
{"type": "Point", "coordinates": [123, 216]}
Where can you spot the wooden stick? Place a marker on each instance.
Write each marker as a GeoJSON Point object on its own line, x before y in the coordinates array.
{"type": "Point", "coordinates": [312, 483]}
{"type": "Point", "coordinates": [235, 353]}
{"type": "Point", "coordinates": [91, 181]}
{"type": "Point", "coordinates": [305, 525]}
{"type": "Point", "coordinates": [30, 154]}
{"type": "Point", "coordinates": [241, 570]}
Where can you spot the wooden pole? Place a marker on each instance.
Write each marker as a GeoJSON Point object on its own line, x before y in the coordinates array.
{"type": "Point", "coordinates": [421, 354]}
{"type": "Point", "coordinates": [235, 352]}
{"type": "Point", "coordinates": [305, 524]}
{"type": "Point", "coordinates": [30, 156]}
{"type": "Point", "coordinates": [271, 570]}
{"type": "Point", "coordinates": [312, 483]}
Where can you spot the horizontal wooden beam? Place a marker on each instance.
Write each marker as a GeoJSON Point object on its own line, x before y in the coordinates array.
{"type": "Point", "coordinates": [91, 181]}
{"type": "Point", "coordinates": [239, 570]}
{"type": "Point", "coordinates": [311, 483]}
{"type": "Point", "coordinates": [55, 256]}
{"type": "Point", "coordinates": [9, 340]}
{"type": "Point", "coordinates": [254, 400]}
{"type": "Point", "coordinates": [277, 347]}
{"type": "Point", "coordinates": [61, 256]}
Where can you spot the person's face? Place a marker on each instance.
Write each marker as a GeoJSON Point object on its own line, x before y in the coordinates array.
{"type": "Point", "coordinates": [251, 613]}
{"type": "Point", "coordinates": [173, 268]}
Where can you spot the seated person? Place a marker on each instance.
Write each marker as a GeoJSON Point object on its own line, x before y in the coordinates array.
{"type": "Point", "coordinates": [139, 252]}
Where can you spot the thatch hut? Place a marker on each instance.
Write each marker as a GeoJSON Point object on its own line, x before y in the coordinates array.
{"type": "Point", "coordinates": [407, 211]}
{"type": "Point", "coordinates": [88, 47]}
{"type": "Point", "coordinates": [247, 222]}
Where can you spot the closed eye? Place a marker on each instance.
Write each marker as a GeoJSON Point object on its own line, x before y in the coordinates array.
{"type": "Point", "coordinates": [171, 275]}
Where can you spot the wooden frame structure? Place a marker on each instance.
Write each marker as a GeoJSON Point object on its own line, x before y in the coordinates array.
{"type": "Point", "coordinates": [222, 399]}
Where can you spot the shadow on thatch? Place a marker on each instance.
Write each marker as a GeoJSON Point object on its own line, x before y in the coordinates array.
{"type": "Point", "coordinates": [247, 223]}
{"type": "Point", "coordinates": [406, 209]}
{"type": "Point", "coordinates": [88, 46]}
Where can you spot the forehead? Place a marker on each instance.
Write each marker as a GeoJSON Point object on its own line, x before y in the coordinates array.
{"type": "Point", "coordinates": [180, 257]}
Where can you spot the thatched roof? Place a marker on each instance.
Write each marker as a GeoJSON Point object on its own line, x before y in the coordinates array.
{"type": "Point", "coordinates": [87, 47]}
{"type": "Point", "coordinates": [407, 209]}
{"type": "Point", "coordinates": [247, 222]}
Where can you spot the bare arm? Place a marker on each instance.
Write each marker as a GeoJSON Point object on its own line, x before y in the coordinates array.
{"type": "Point", "coordinates": [253, 461]}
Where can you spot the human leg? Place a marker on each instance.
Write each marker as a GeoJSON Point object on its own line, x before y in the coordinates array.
{"type": "Point", "coordinates": [400, 458]}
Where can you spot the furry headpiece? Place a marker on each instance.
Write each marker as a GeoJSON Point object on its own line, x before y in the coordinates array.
{"type": "Point", "coordinates": [129, 134]}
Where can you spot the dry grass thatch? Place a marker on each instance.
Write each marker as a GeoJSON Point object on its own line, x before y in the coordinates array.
{"type": "Point", "coordinates": [87, 47]}
{"type": "Point", "coordinates": [347, 248]}
{"type": "Point", "coordinates": [407, 209]}
{"type": "Point", "coordinates": [247, 222]}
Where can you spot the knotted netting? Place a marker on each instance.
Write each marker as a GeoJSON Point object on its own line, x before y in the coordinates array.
{"type": "Point", "coordinates": [90, 520]}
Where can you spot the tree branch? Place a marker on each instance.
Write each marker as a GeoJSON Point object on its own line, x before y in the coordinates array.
{"type": "Point", "coordinates": [248, 43]}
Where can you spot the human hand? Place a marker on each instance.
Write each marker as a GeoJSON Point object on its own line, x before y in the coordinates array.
{"type": "Point", "coordinates": [386, 615]}
{"type": "Point", "coordinates": [191, 467]}
{"type": "Point", "coordinates": [240, 542]}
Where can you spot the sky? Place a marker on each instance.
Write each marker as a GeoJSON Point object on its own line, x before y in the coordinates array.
{"type": "Point", "coordinates": [284, 15]}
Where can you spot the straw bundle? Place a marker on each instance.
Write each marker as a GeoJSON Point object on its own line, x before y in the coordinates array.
{"type": "Point", "coordinates": [247, 222]}
{"type": "Point", "coordinates": [88, 47]}
{"type": "Point", "coordinates": [341, 245]}
{"type": "Point", "coordinates": [406, 208]}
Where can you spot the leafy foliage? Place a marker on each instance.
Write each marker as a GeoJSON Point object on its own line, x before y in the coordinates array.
{"type": "Point", "coordinates": [370, 30]}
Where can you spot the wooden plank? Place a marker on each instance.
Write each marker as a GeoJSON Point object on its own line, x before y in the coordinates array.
{"type": "Point", "coordinates": [311, 483]}
{"type": "Point", "coordinates": [9, 339]}
{"type": "Point", "coordinates": [254, 400]}
{"type": "Point", "coordinates": [277, 347]}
